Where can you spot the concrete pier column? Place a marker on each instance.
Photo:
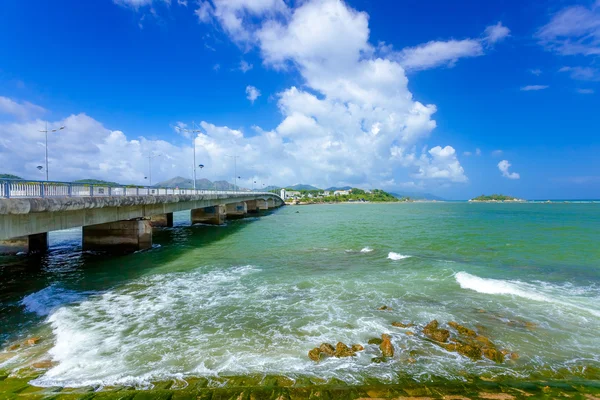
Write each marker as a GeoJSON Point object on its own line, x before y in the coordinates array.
{"type": "Point", "coordinates": [252, 206]}
{"type": "Point", "coordinates": [270, 202]}
{"type": "Point", "coordinates": [120, 236]}
{"type": "Point", "coordinates": [262, 204]}
{"type": "Point", "coordinates": [236, 210]}
{"type": "Point", "coordinates": [214, 215]}
{"type": "Point", "coordinates": [162, 220]}
{"type": "Point", "coordinates": [37, 243]}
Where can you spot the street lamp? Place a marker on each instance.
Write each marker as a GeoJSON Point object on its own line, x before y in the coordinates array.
{"type": "Point", "coordinates": [150, 157]}
{"type": "Point", "coordinates": [194, 145]}
{"type": "Point", "coordinates": [235, 177]}
{"type": "Point", "coordinates": [46, 132]}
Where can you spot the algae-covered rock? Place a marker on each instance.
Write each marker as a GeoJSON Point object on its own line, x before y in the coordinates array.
{"type": "Point", "coordinates": [376, 341]}
{"type": "Point", "coordinates": [463, 330]}
{"type": "Point", "coordinates": [341, 350]}
{"type": "Point", "coordinates": [409, 333]}
{"type": "Point", "coordinates": [402, 325]}
{"type": "Point", "coordinates": [378, 360]}
{"type": "Point", "coordinates": [433, 331]}
{"type": "Point", "coordinates": [385, 308]}
{"type": "Point", "coordinates": [14, 347]}
{"type": "Point", "coordinates": [387, 349]}
{"type": "Point", "coordinates": [45, 364]}
{"type": "Point", "coordinates": [484, 341]}
{"type": "Point", "coordinates": [493, 354]}
{"type": "Point", "coordinates": [314, 354]}
{"type": "Point", "coordinates": [357, 347]}
{"type": "Point", "coordinates": [328, 349]}
{"type": "Point", "coordinates": [468, 350]}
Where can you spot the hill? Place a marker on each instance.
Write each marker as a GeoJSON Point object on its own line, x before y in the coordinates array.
{"type": "Point", "coordinates": [495, 197]}
{"type": "Point", "coordinates": [333, 188]}
{"type": "Point", "coordinates": [10, 176]}
{"type": "Point", "coordinates": [186, 183]}
{"type": "Point", "coordinates": [96, 182]}
{"type": "Point", "coordinates": [418, 196]}
{"type": "Point", "coordinates": [301, 186]}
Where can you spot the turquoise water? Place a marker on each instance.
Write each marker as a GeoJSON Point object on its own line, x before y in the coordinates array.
{"type": "Point", "coordinates": [255, 296]}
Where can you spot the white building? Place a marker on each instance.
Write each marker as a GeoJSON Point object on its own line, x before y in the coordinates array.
{"type": "Point", "coordinates": [342, 192]}
{"type": "Point", "coordinates": [282, 194]}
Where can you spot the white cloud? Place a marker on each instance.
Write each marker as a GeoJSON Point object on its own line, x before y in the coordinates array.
{"type": "Point", "coordinates": [496, 33]}
{"type": "Point", "coordinates": [585, 91]}
{"type": "Point", "coordinates": [503, 166]}
{"type": "Point", "coordinates": [478, 151]}
{"type": "Point", "coordinates": [140, 3]}
{"type": "Point", "coordinates": [573, 30]}
{"type": "Point", "coordinates": [252, 93]}
{"type": "Point", "coordinates": [582, 73]}
{"type": "Point", "coordinates": [21, 110]}
{"type": "Point", "coordinates": [467, 153]}
{"type": "Point", "coordinates": [216, 67]}
{"type": "Point", "coordinates": [497, 153]}
{"type": "Point", "coordinates": [536, 72]}
{"type": "Point", "coordinates": [533, 88]}
{"type": "Point", "coordinates": [245, 66]}
{"type": "Point", "coordinates": [470, 153]}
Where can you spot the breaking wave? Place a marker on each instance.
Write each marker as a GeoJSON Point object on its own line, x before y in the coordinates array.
{"type": "Point", "coordinates": [396, 256]}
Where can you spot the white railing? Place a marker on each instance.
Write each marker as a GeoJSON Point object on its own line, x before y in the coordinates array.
{"type": "Point", "coordinates": [23, 189]}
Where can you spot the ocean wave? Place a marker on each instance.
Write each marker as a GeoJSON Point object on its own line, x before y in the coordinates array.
{"type": "Point", "coordinates": [544, 292]}
{"type": "Point", "coordinates": [396, 256]}
{"type": "Point", "coordinates": [45, 301]}
{"type": "Point", "coordinates": [366, 249]}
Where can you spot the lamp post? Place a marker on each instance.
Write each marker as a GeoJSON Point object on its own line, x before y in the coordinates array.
{"type": "Point", "coordinates": [235, 177]}
{"type": "Point", "coordinates": [45, 131]}
{"type": "Point", "coordinates": [150, 157]}
{"type": "Point", "coordinates": [194, 146]}
{"type": "Point", "coordinates": [199, 166]}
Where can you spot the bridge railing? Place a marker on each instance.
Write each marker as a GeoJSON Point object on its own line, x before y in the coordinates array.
{"type": "Point", "coordinates": [10, 188]}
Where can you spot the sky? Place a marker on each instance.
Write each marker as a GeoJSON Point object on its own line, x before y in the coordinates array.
{"type": "Point", "coordinates": [451, 98]}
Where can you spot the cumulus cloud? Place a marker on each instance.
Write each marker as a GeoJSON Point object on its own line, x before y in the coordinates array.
{"type": "Point", "coordinates": [533, 88]}
{"type": "Point", "coordinates": [503, 166]}
{"type": "Point", "coordinates": [252, 93]}
{"type": "Point", "coordinates": [353, 121]}
{"type": "Point", "coordinates": [20, 110]}
{"type": "Point", "coordinates": [574, 30]}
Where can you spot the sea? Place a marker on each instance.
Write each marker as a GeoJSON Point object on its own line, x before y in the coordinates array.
{"type": "Point", "coordinates": [254, 296]}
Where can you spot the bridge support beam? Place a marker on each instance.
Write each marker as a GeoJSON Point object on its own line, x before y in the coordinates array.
{"type": "Point", "coordinates": [120, 236]}
{"type": "Point", "coordinates": [37, 243]}
{"type": "Point", "coordinates": [252, 206]}
{"type": "Point", "coordinates": [262, 204]}
{"type": "Point", "coordinates": [214, 215]}
{"type": "Point", "coordinates": [270, 202]}
{"type": "Point", "coordinates": [236, 210]}
{"type": "Point", "coordinates": [162, 220]}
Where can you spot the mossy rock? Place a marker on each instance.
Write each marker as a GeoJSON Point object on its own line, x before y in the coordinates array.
{"type": "Point", "coordinates": [152, 395]}
{"type": "Point", "coordinates": [376, 341]}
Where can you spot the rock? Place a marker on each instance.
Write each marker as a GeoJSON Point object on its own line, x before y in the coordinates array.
{"type": "Point", "coordinates": [315, 354]}
{"type": "Point", "coordinates": [467, 350]}
{"type": "Point", "coordinates": [493, 354]}
{"type": "Point", "coordinates": [387, 349]}
{"type": "Point", "coordinates": [33, 341]}
{"type": "Point", "coordinates": [328, 349]}
{"type": "Point", "coordinates": [401, 325]}
{"type": "Point", "coordinates": [376, 341]}
{"type": "Point", "coordinates": [409, 333]}
{"type": "Point", "coordinates": [357, 347]}
{"type": "Point", "coordinates": [46, 364]}
{"type": "Point", "coordinates": [514, 356]}
{"type": "Point", "coordinates": [14, 347]}
{"type": "Point", "coordinates": [462, 330]}
{"type": "Point", "coordinates": [432, 331]}
{"type": "Point", "coordinates": [385, 308]}
{"type": "Point", "coordinates": [484, 341]}
{"type": "Point", "coordinates": [341, 350]}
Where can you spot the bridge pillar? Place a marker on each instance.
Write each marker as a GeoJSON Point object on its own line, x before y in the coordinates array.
{"type": "Point", "coordinates": [214, 215]}
{"type": "Point", "coordinates": [262, 204]}
{"type": "Point", "coordinates": [252, 206]}
{"type": "Point", "coordinates": [162, 220]}
{"type": "Point", "coordinates": [270, 202]}
{"type": "Point", "coordinates": [37, 243]}
{"type": "Point", "coordinates": [120, 236]}
{"type": "Point", "coordinates": [236, 210]}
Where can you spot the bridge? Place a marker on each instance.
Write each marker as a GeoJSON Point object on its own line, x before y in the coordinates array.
{"type": "Point", "coordinates": [114, 218]}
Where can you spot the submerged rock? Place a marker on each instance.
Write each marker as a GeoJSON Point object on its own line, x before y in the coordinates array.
{"type": "Point", "coordinates": [34, 340]}
{"type": "Point", "coordinates": [378, 360]}
{"type": "Point", "coordinates": [327, 348]}
{"type": "Point", "coordinates": [341, 350]}
{"type": "Point", "coordinates": [468, 350]}
{"type": "Point", "coordinates": [387, 349]}
{"type": "Point", "coordinates": [433, 331]}
{"type": "Point", "coordinates": [14, 347]}
{"type": "Point", "coordinates": [375, 340]}
{"type": "Point", "coordinates": [402, 325]}
{"type": "Point", "coordinates": [385, 308]}
{"type": "Point", "coordinates": [46, 364]}
{"type": "Point", "coordinates": [493, 354]}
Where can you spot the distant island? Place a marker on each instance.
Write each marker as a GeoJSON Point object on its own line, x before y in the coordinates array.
{"type": "Point", "coordinates": [495, 198]}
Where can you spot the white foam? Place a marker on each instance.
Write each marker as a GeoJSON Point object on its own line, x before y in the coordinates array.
{"type": "Point", "coordinates": [366, 249]}
{"type": "Point", "coordinates": [396, 256]}
{"type": "Point", "coordinates": [544, 292]}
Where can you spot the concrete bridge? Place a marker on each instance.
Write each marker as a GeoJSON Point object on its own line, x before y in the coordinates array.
{"type": "Point", "coordinates": [113, 218]}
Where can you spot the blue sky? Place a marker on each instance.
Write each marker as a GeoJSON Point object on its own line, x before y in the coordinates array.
{"type": "Point", "coordinates": [398, 95]}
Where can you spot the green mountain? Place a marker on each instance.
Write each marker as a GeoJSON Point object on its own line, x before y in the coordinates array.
{"type": "Point", "coordinates": [10, 176]}
{"type": "Point", "coordinates": [186, 183]}
{"type": "Point", "coordinates": [333, 188]}
{"type": "Point", "coordinates": [301, 186]}
{"type": "Point", "coordinates": [96, 182]}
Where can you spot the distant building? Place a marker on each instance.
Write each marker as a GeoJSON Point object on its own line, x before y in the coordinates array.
{"type": "Point", "coordinates": [282, 194]}
{"type": "Point", "coordinates": [292, 194]}
{"type": "Point", "coordinates": [326, 193]}
{"type": "Point", "coordinates": [342, 192]}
